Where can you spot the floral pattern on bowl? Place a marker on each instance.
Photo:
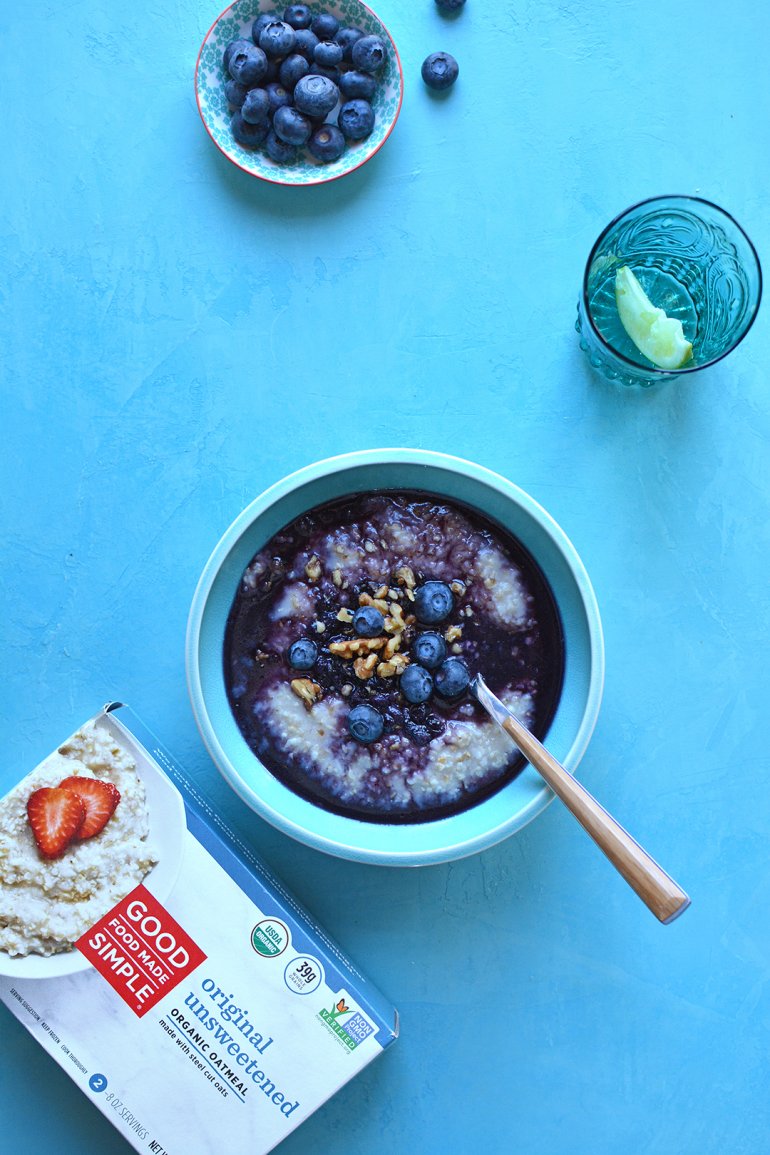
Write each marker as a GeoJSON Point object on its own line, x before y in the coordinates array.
{"type": "Point", "coordinates": [210, 79]}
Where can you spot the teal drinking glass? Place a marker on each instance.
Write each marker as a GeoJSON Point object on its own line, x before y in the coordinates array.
{"type": "Point", "coordinates": [694, 261]}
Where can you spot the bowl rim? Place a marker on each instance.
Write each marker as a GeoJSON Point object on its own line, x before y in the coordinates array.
{"type": "Point", "coordinates": [322, 178]}
{"type": "Point", "coordinates": [541, 795]}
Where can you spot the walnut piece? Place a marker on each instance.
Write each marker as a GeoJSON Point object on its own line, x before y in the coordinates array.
{"type": "Point", "coordinates": [404, 575]}
{"type": "Point", "coordinates": [307, 691]}
{"type": "Point", "coordinates": [364, 668]}
{"type": "Point", "coordinates": [313, 568]}
{"type": "Point", "coordinates": [356, 647]}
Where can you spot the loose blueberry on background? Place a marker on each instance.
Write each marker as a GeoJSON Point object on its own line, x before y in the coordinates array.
{"type": "Point", "coordinates": [450, 5]}
{"type": "Point", "coordinates": [356, 119]}
{"type": "Point", "coordinates": [347, 38]}
{"type": "Point", "coordinates": [291, 126]}
{"type": "Point", "coordinates": [357, 84]}
{"type": "Point", "coordinates": [315, 95]}
{"type": "Point", "coordinates": [368, 54]}
{"type": "Point", "coordinates": [440, 70]}
{"type": "Point", "coordinates": [278, 96]}
{"type": "Point", "coordinates": [303, 654]}
{"type": "Point", "coordinates": [429, 650]}
{"type": "Point", "coordinates": [327, 143]}
{"type": "Point", "coordinates": [232, 47]}
{"type": "Point", "coordinates": [327, 53]}
{"type": "Point", "coordinates": [248, 65]}
{"type": "Point", "coordinates": [365, 724]}
{"type": "Point", "coordinates": [298, 15]}
{"type": "Point", "coordinates": [279, 150]}
{"type": "Point", "coordinates": [250, 135]}
{"type": "Point", "coordinates": [256, 106]}
{"type": "Point", "coordinates": [416, 684]}
{"type": "Point", "coordinates": [305, 42]}
{"type": "Point", "coordinates": [325, 26]}
{"type": "Point", "coordinates": [433, 602]}
{"type": "Point", "coordinates": [277, 38]}
{"type": "Point", "coordinates": [292, 69]}
{"type": "Point", "coordinates": [368, 622]}
{"type": "Point", "coordinates": [235, 93]}
{"type": "Point", "coordinates": [452, 678]}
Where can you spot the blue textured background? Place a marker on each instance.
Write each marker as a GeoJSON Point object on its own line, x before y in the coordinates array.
{"type": "Point", "coordinates": [176, 336]}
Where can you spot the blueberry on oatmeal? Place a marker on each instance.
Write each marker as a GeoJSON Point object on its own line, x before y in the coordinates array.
{"type": "Point", "coordinates": [365, 724]}
{"type": "Point", "coordinates": [303, 654]}
{"type": "Point", "coordinates": [429, 649]}
{"type": "Point", "coordinates": [433, 603]}
{"type": "Point", "coordinates": [416, 684]}
{"type": "Point", "coordinates": [452, 678]}
{"type": "Point", "coordinates": [368, 622]}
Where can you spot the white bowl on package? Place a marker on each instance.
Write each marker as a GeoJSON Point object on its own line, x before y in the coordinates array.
{"type": "Point", "coordinates": [168, 825]}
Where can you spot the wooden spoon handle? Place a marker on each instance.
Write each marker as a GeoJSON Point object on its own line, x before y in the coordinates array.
{"type": "Point", "coordinates": [664, 897]}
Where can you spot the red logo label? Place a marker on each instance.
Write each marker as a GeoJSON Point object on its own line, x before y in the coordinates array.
{"type": "Point", "coordinates": [140, 950]}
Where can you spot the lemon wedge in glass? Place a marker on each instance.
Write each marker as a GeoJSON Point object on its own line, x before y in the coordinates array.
{"type": "Point", "coordinates": [660, 338]}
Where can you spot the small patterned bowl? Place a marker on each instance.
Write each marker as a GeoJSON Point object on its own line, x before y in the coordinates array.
{"type": "Point", "coordinates": [210, 80]}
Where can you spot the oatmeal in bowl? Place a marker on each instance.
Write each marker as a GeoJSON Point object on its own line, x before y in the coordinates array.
{"type": "Point", "coordinates": [333, 636]}
{"type": "Point", "coordinates": [350, 646]}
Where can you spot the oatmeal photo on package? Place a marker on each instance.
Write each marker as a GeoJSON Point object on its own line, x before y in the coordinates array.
{"type": "Point", "coordinates": [74, 840]}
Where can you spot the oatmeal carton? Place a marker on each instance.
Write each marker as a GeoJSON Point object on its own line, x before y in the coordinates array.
{"type": "Point", "coordinates": [180, 986]}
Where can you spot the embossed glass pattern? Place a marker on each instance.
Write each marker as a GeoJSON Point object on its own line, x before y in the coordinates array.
{"type": "Point", "coordinates": [693, 261]}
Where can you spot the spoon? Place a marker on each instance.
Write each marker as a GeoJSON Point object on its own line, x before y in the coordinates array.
{"type": "Point", "coordinates": [657, 889]}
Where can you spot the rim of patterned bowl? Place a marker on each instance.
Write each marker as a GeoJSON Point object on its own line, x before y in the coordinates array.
{"type": "Point", "coordinates": [472, 829]}
{"type": "Point", "coordinates": [235, 21]}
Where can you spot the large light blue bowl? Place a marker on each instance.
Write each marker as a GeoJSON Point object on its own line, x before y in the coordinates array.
{"type": "Point", "coordinates": [418, 844]}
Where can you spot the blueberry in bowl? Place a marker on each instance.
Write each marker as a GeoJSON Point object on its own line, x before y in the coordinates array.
{"type": "Point", "coordinates": [327, 143]}
{"type": "Point", "coordinates": [279, 150]}
{"type": "Point", "coordinates": [325, 26]}
{"type": "Point", "coordinates": [235, 93]}
{"type": "Point", "coordinates": [234, 46]}
{"type": "Point", "coordinates": [277, 39]}
{"type": "Point", "coordinates": [355, 119]}
{"type": "Point", "coordinates": [282, 34]}
{"type": "Point", "coordinates": [248, 134]}
{"type": "Point", "coordinates": [327, 53]}
{"type": "Point", "coordinates": [247, 65]}
{"type": "Point", "coordinates": [315, 95]}
{"type": "Point", "coordinates": [292, 69]}
{"type": "Point", "coordinates": [357, 84]}
{"type": "Point", "coordinates": [291, 126]}
{"type": "Point", "coordinates": [368, 54]}
{"type": "Point", "coordinates": [298, 15]}
{"type": "Point", "coordinates": [256, 106]}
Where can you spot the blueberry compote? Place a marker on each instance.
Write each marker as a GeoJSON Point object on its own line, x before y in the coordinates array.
{"type": "Point", "coordinates": [339, 604]}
